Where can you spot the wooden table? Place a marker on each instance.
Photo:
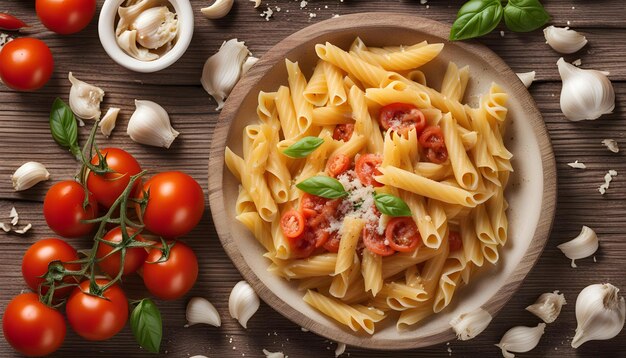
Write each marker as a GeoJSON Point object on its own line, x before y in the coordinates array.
{"type": "Point", "coordinates": [25, 136]}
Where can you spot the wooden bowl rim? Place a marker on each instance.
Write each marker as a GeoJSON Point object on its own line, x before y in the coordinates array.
{"type": "Point", "coordinates": [376, 20]}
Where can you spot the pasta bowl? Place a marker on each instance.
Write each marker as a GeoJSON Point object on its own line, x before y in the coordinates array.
{"type": "Point", "coordinates": [531, 193]}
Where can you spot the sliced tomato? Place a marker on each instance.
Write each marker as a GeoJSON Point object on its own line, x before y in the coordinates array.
{"type": "Point", "coordinates": [343, 132]}
{"type": "Point", "coordinates": [402, 234]}
{"type": "Point", "coordinates": [338, 165]}
{"type": "Point", "coordinates": [401, 118]}
{"type": "Point", "coordinates": [454, 240]}
{"type": "Point", "coordinates": [332, 244]}
{"type": "Point", "coordinates": [317, 226]}
{"type": "Point", "coordinates": [313, 202]}
{"type": "Point", "coordinates": [437, 156]}
{"type": "Point", "coordinates": [376, 242]}
{"type": "Point", "coordinates": [292, 224]}
{"type": "Point", "coordinates": [303, 245]}
{"type": "Point", "coordinates": [432, 137]}
{"type": "Point", "coordinates": [366, 168]}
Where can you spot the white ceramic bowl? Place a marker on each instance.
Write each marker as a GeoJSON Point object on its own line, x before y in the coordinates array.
{"type": "Point", "coordinates": [106, 31]}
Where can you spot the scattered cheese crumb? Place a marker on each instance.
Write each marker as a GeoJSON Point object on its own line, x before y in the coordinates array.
{"type": "Point", "coordinates": [24, 229]}
{"type": "Point", "coordinates": [269, 354]}
{"type": "Point", "coordinates": [341, 348]}
{"type": "Point", "coordinates": [5, 227]}
{"type": "Point", "coordinates": [278, 9]}
{"type": "Point", "coordinates": [312, 15]}
{"type": "Point", "coordinates": [608, 177]}
{"type": "Point", "coordinates": [303, 329]}
{"type": "Point", "coordinates": [501, 33]}
{"type": "Point", "coordinates": [428, 6]}
{"type": "Point", "coordinates": [423, 2]}
{"type": "Point", "coordinates": [611, 145]}
{"type": "Point", "coordinates": [577, 165]}
{"type": "Point", "coordinates": [14, 216]}
{"type": "Point", "coordinates": [568, 22]}
{"type": "Point", "coordinates": [577, 62]}
{"type": "Point", "coordinates": [303, 4]}
{"type": "Point", "coordinates": [267, 13]}
{"type": "Point", "coordinates": [335, 15]}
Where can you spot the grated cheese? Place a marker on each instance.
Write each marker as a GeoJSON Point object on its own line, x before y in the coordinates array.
{"type": "Point", "coordinates": [608, 177]}
{"type": "Point", "coordinates": [577, 165]}
{"type": "Point", "coordinates": [611, 145]}
{"type": "Point", "coordinates": [303, 4]}
{"type": "Point", "coordinates": [359, 203]}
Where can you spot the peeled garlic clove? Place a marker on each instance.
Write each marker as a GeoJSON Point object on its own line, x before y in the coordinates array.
{"type": "Point", "coordinates": [155, 27]}
{"type": "Point", "coordinates": [127, 41]}
{"type": "Point", "coordinates": [600, 313]}
{"type": "Point", "coordinates": [520, 339]}
{"type": "Point", "coordinates": [527, 78]}
{"type": "Point", "coordinates": [257, 3]}
{"type": "Point", "coordinates": [243, 303]}
{"type": "Point", "coordinates": [219, 9]}
{"type": "Point", "coordinates": [471, 324]}
{"type": "Point", "coordinates": [129, 13]}
{"type": "Point", "coordinates": [150, 125]}
{"type": "Point", "coordinates": [548, 306]}
{"type": "Point", "coordinates": [200, 310]}
{"type": "Point", "coordinates": [250, 61]}
{"type": "Point", "coordinates": [85, 98]}
{"type": "Point", "coordinates": [108, 121]}
{"type": "Point", "coordinates": [583, 245]}
{"type": "Point", "coordinates": [28, 175]}
{"type": "Point", "coordinates": [586, 94]}
{"type": "Point", "coordinates": [222, 70]}
{"type": "Point", "coordinates": [564, 40]}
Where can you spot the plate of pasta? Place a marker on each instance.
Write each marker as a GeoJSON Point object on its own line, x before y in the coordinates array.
{"type": "Point", "coordinates": [372, 181]}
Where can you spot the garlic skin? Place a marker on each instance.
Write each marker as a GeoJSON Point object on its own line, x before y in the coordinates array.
{"type": "Point", "coordinates": [564, 40]}
{"type": "Point", "coordinates": [24, 230]}
{"type": "Point", "coordinates": [250, 61]}
{"type": "Point", "coordinates": [14, 216]}
{"type": "Point", "coordinates": [527, 78]}
{"type": "Point", "coordinates": [107, 124]}
{"type": "Point", "coordinates": [29, 174]}
{"type": "Point", "coordinates": [586, 94]}
{"type": "Point", "coordinates": [200, 310]}
{"type": "Point", "coordinates": [257, 3]}
{"type": "Point", "coordinates": [85, 99]}
{"type": "Point", "coordinates": [583, 245]}
{"type": "Point", "coordinates": [219, 9]}
{"type": "Point", "coordinates": [269, 354]}
{"type": "Point", "coordinates": [548, 306]}
{"type": "Point", "coordinates": [243, 303]}
{"type": "Point", "coordinates": [469, 325]}
{"type": "Point", "coordinates": [600, 313]}
{"type": "Point", "coordinates": [155, 27]}
{"type": "Point", "coordinates": [611, 145]}
{"type": "Point", "coordinates": [150, 125]}
{"type": "Point", "coordinates": [341, 349]}
{"type": "Point", "coordinates": [520, 339]}
{"type": "Point", "coordinates": [222, 70]}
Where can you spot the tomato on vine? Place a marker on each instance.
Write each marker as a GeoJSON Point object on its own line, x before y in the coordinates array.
{"type": "Point", "coordinates": [170, 275]}
{"type": "Point", "coordinates": [111, 262]}
{"type": "Point", "coordinates": [64, 211]}
{"type": "Point", "coordinates": [39, 256]}
{"type": "Point", "coordinates": [107, 187]}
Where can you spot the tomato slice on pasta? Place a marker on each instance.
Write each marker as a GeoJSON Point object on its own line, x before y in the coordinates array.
{"type": "Point", "coordinates": [343, 132]}
{"type": "Point", "coordinates": [317, 226]}
{"type": "Point", "coordinates": [432, 137]}
{"type": "Point", "coordinates": [401, 118]}
{"type": "Point", "coordinates": [375, 242]}
{"type": "Point", "coordinates": [402, 234]}
{"type": "Point", "coordinates": [292, 224]}
{"type": "Point", "coordinates": [338, 165]}
{"type": "Point", "coordinates": [438, 155]}
{"type": "Point", "coordinates": [366, 168]}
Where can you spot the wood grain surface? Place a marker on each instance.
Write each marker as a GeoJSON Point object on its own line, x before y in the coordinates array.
{"type": "Point", "coordinates": [24, 136]}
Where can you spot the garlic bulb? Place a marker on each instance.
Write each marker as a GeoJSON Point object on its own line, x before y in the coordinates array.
{"type": "Point", "coordinates": [200, 310]}
{"type": "Point", "coordinates": [564, 40]}
{"type": "Point", "coordinates": [600, 313]}
{"type": "Point", "coordinates": [548, 306]}
{"type": "Point", "coordinates": [583, 245]}
{"type": "Point", "coordinates": [243, 303]}
{"type": "Point", "coordinates": [107, 124]}
{"type": "Point", "coordinates": [127, 41]}
{"type": "Point", "coordinates": [471, 324]}
{"type": "Point", "coordinates": [150, 125]}
{"type": "Point", "coordinates": [520, 339]}
{"type": "Point", "coordinates": [250, 61]}
{"type": "Point", "coordinates": [85, 99]}
{"type": "Point", "coordinates": [257, 3]}
{"type": "Point", "coordinates": [28, 175]}
{"type": "Point", "coordinates": [527, 78]}
{"type": "Point", "coordinates": [155, 27]}
{"type": "Point", "coordinates": [219, 9]}
{"type": "Point", "coordinates": [222, 70]}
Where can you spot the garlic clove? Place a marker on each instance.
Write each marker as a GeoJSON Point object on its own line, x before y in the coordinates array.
{"type": "Point", "coordinates": [611, 145]}
{"type": "Point", "coordinates": [257, 3]}
{"type": "Point", "coordinates": [131, 11]}
{"type": "Point", "coordinates": [527, 78]}
{"type": "Point", "coordinates": [600, 313]}
{"type": "Point", "coordinates": [341, 348]}
{"type": "Point", "coordinates": [127, 41]}
{"type": "Point", "coordinates": [85, 98]}
{"type": "Point", "coordinates": [219, 9]}
{"type": "Point", "coordinates": [564, 40]}
{"type": "Point", "coordinates": [250, 61]}
{"type": "Point", "coordinates": [200, 310]}
{"type": "Point", "coordinates": [469, 325]}
{"type": "Point", "coordinates": [269, 354]}
{"type": "Point", "coordinates": [583, 245]}
{"type": "Point", "coordinates": [243, 303]}
{"type": "Point", "coordinates": [150, 125]}
{"type": "Point", "coordinates": [155, 27]}
{"type": "Point", "coordinates": [29, 174]}
{"type": "Point", "coordinates": [520, 339]}
{"type": "Point", "coordinates": [222, 70]}
{"type": "Point", "coordinates": [107, 124]}
{"type": "Point", "coordinates": [548, 306]}
{"type": "Point", "coordinates": [586, 94]}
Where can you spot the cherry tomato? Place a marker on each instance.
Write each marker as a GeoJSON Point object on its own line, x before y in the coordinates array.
{"type": "Point", "coordinates": [316, 226]}
{"type": "Point", "coordinates": [313, 202]}
{"type": "Point", "coordinates": [432, 137]}
{"type": "Point", "coordinates": [64, 212]}
{"type": "Point", "coordinates": [401, 118]}
{"type": "Point", "coordinates": [343, 132]}
{"type": "Point", "coordinates": [65, 16]}
{"type": "Point", "coordinates": [95, 318]}
{"type": "Point", "coordinates": [133, 259]}
{"type": "Point", "coordinates": [366, 168]}
{"type": "Point", "coordinates": [338, 165]}
{"type": "Point", "coordinates": [31, 327]}
{"type": "Point", "coordinates": [402, 234]}
{"type": "Point", "coordinates": [175, 204]}
{"type": "Point", "coordinates": [26, 64]}
{"type": "Point", "coordinates": [37, 258]}
{"type": "Point", "coordinates": [171, 279]}
{"type": "Point", "coordinates": [454, 240]}
{"type": "Point", "coordinates": [332, 244]}
{"type": "Point", "coordinates": [108, 187]}
{"type": "Point", "coordinates": [376, 242]}
{"type": "Point", "coordinates": [438, 155]}
{"type": "Point", "coordinates": [303, 245]}
{"type": "Point", "coordinates": [292, 224]}
{"type": "Point", "coordinates": [8, 22]}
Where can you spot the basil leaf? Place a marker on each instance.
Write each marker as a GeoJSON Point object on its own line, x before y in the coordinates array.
{"type": "Point", "coordinates": [323, 186]}
{"type": "Point", "coordinates": [63, 126]}
{"type": "Point", "coordinates": [476, 18]}
{"type": "Point", "coordinates": [525, 15]}
{"type": "Point", "coordinates": [145, 322]}
{"type": "Point", "coordinates": [303, 147]}
{"type": "Point", "coordinates": [391, 205]}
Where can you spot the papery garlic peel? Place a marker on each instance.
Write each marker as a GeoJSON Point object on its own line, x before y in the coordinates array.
{"type": "Point", "coordinates": [85, 99]}
{"type": "Point", "coordinates": [583, 245]}
{"type": "Point", "coordinates": [200, 310]}
{"type": "Point", "coordinates": [527, 78]}
{"type": "Point", "coordinates": [471, 324]}
{"type": "Point", "coordinates": [218, 9]}
{"type": "Point", "coordinates": [563, 39]}
{"type": "Point", "coordinates": [222, 70]}
{"type": "Point", "coordinates": [150, 125]}
{"type": "Point", "coordinates": [548, 306]}
{"type": "Point", "coordinates": [600, 313]}
{"type": "Point", "coordinates": [243, 303]}
{"type": "Point", "coordinates": [28, 175]}
{"type": "Point", "coordinates": [107, 124]}
{"type": "Point", "coordinates": [520, 339]}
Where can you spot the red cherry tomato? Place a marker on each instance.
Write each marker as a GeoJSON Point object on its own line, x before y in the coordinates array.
{"type": "Point", "coordinates": [438, 155]}
{"type": "Point", "coordinates": [432, 137]}
{"type": "Point", "coordinates": [37, 258]}
{"type": "Point", "coordinates": [10, 23]}
{"type": "Point", "coordinates": [175, 204]}
{"type": "Point", "coordinates": [171, 279]}
{"type": "Point", "coordinates": [133, 259]}
{"type": "Point", "coordinates": [316, 226]}
{"type": "Point", "coordinates": [95, 318]}
{"type": "Point", "coordinates": [65, 16]}
{"type": "Point", "coordinates": [401, 118]}
{"type": "Point", "coordinates": [64, 212]}
{"type": "Point", "coordinates": [454, 240]}
{"type": "Point", "coordinates": [366, 168]}
{"type": "Point", "coordinates": [26, 64]}
{"type": "Point", "coordinates": [338, 165]}
{"type": "Point", "coordinates": [402, 234]}
{"type": "Point", "coordinates": [313, 202]}
{"type": "Point", "coordinates": [108, 187]}
{"type": "Point", "coordinates": [332, 244]}
{"type": "Point", "coordinates": [31, 327]}
{"type": "Point", "coordinates": [292, 224]}
{"type": "Point", "coordinates": [376, 242]}
{"type": "Point", "coordinates": [343, 132]}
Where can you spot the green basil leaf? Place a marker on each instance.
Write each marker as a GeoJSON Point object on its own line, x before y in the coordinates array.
{"type": "Point", "coordinates": [303, 147]}
{"type": "Point", "coordinates": [323, 186]}
{"type": "Point", "coordinates": [525, 15]}
{"type": "Point", "coordinates": [145, 322]}
{"type": "Point", "coordinates": [63, 126]}
{"type": "Point", "coordinates": [476, 18]}
{"type": "Point", "coordinates": [391, 205]}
